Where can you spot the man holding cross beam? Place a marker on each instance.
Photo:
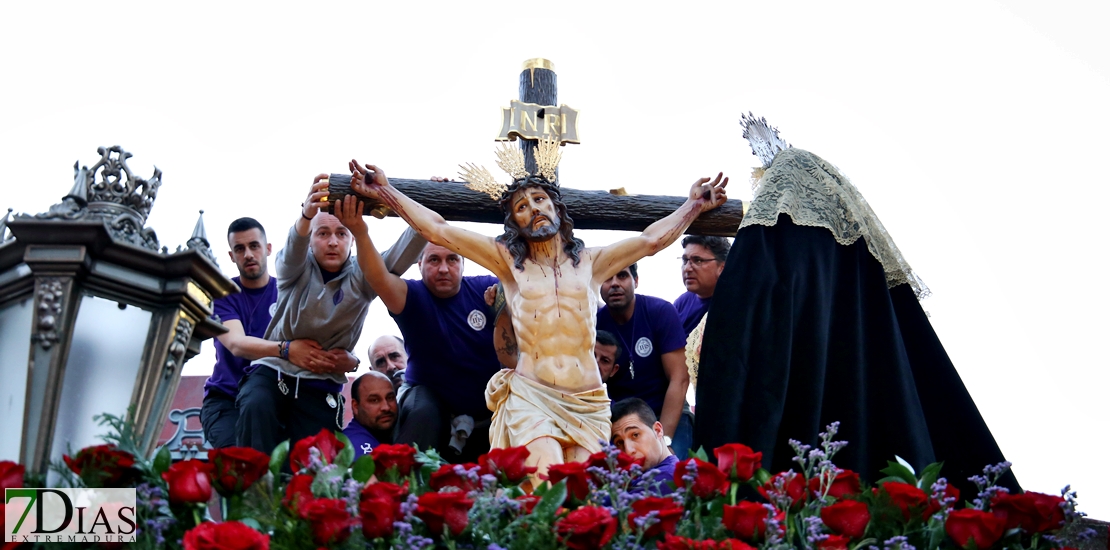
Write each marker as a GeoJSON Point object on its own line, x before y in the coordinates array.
{"type": "Point", "coordinates": [554, 401]}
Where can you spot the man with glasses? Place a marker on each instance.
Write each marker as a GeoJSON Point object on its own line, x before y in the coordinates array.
{"type": "Point", "coordinates": [703, 260]}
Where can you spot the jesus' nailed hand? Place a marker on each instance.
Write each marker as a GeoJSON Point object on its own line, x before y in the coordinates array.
{"type": "Point", "coordinates": [551, 284]}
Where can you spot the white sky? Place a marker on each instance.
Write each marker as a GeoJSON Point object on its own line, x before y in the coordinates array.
{"type": "Point", "coordinates": [976, 129]}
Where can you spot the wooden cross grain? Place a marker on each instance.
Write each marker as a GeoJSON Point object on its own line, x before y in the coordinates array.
{"type": "Point", "coordinates": [588, 209]}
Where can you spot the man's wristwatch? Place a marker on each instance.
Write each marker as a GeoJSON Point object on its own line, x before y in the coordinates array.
{"type": "Point", "coordinates": [667, 440]}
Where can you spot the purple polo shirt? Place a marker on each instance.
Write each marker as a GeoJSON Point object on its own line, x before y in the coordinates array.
{"type": "Point", "coordinates": [253, 307]}
{"type": "Point", "coordinates": [660, 477]}
{"type": "Point", "coordinates": [361, 439]}
{"type": "Point", "coordinates": [653, 330]}
{"type": "Point", "coordinates": [691, 308]}
{"type": "Point", "coordinates": [450, 344]}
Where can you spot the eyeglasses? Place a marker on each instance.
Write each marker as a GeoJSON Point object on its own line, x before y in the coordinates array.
{"type": "Point", "coordinates": [698, 262]}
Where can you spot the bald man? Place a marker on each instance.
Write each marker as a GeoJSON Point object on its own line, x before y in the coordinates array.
{"type": "Point", "coordinates": [387, 356]}
{"type": "Point", "coordinates": [323, 299]}
{"type": "Point", "coordinates": [374, 404]}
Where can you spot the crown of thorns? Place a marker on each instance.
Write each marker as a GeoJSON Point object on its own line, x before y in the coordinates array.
{"type": "Point", "coordinates": [511, 160]}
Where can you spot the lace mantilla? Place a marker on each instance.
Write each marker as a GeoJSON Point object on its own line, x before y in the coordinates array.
{"type": "Point", "coordinates": [693, 350]}
{"type": "Point", "coordinates": [814, 193]}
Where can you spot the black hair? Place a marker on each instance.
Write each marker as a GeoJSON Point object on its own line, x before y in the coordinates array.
{"type": "Point", "coordinates": [718, 246]}
{"type": "Point", "coordinates": [607, 338]}
{"type": "Point", "coordinates": [518, 245]}
{"type": "Point", "coordinates": [632, 269]}
{"type": "Point", "coordinates": [245, 224]}
{"type": "Point", "coordinates": [636, 406]}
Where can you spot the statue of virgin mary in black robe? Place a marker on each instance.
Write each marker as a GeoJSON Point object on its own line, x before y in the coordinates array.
{"type": "Point", "coordinates": [816, 319]}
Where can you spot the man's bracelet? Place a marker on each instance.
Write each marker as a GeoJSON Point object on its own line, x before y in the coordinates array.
{"type": "Point", "coordinates": [283, 350]}
{"type": "Point", "coordinates": [305, 217]}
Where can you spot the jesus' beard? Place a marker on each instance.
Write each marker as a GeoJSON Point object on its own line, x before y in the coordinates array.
{"type": "Point", "coordinates": [544, 233]}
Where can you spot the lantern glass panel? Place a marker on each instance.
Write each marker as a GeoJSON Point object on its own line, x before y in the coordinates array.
{"type": "Point", "coordinates": [100, 375]}
{"type": "Point", "coordinates": [15, 340]}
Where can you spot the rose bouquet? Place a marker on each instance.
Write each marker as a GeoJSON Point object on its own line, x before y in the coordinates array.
{"type": "Point", "coordinates": [398, 497]}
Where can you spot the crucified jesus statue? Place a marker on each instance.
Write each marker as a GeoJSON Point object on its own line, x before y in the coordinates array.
{"type": "Point", "coordinates": [553, 402]}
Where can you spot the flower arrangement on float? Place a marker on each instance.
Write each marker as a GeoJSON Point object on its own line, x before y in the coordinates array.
{"type": "Point", "coordinates": [401, 498]}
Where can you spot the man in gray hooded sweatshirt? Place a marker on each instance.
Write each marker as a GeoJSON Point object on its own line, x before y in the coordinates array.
{"type": "Point", "coordinates": [323, 297]}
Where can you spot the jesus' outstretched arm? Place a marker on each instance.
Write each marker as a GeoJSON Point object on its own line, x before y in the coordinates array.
{"type": "Point", "coordinates": [705, 195]}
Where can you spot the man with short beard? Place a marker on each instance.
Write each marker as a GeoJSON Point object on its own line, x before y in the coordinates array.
{"type": "Point", "coordinates": [374, 404]}
{"type": "Point", "coordinates": [449, 343]}
{"type": "Point", "coordinates": [322, 301]}
{"type": "Point", "coordinates": [553, 402]}
{"type": "Point", "coordinates": [654, 354]}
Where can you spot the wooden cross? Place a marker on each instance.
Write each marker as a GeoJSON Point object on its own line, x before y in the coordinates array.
{"type": "Point", "coordinates": [588, 209]}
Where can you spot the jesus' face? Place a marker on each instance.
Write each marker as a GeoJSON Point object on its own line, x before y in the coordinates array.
{"type": "Point", "coordinates": [535, 214]}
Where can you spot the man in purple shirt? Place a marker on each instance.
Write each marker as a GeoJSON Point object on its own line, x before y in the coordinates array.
{"type": "Point", "coordinates": [703, 260]}
{"type": "Point", "coordinates": [448, 334]}
{"type": "Point", "coordinates": [374, 404]}
{"type": "Point", "coordinates": [246, 316]}
{"type": "Point", "coordinates": [654, 354]}
{"type": "Point", "coordinates": [637, 432]}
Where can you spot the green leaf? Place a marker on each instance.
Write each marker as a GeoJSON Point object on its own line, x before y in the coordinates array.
{"type": "Point", "coordinates": [761, 477]}
{"type": "Point", "coordinates": [699, 454]}
{"type": "Point", "coordinates": [252, 523]}
{"type": "Point", "coordinates": [277, 458]}
{"type": "Point", "coordinates": [903, 462]}
{"type": "Point", "coordinates": [541, 489]}
{"type": "Point", "coordinates": [162, 460]}
{"type": "Point", "coordinates": [363, 469]}
{"type": "Point", "coordinates": [929, 476]}
{"type": "Point", "coordinates": [346, 455]}
{"type": "Point", "coordinates": [900, 471]}
{"type": "Point", "coordinates": [552, 499]}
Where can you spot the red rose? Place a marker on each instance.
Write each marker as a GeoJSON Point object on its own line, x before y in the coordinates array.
{"type": "Point", "coordinates": [847, 517]}
{"type": "Point", "coordinates": [668, 512]}
{"type": "Point", "coordinates": [102, 465]}
{"type": "Point", "coordinates": [740, 462]}
{"type": "Point", "coordinates": [387, 492]}
{"type": "Point", "coordinates": [578, 484]}
{"type": "Point", "coordinates": [189, 481]}
{"type": "Point", "coordinates": [507, 464]}
{"type": "Point", "coordinates": [331, 523]}
{"type": "Point", "coordinates": [748, 520]}
{"type": "Point", "coordinates": [1033, 512]}
{"type": "Point", "coordinates": [625, 461]}
{"type": "Point", "coordinates": [834, 542]}
{"type": "Point", "coordinates": [439, 509]}
{"type": "Point", "coordinates": [447, 476]}
{"type": "Point", "coordinates": [298, 492]}
{"type": "Point", "coordinates": [795, 488]}
{"type": "Point", "coordinates": [235, 469]}
{"type": "Point", "coordinates": [733, 544]}
{"type": "Point", "coordinates": [708, 481]}
{"type": "Point", "coordinates": [387, 456]}
{"type": "Point", "coordinates": [671, 542]}
{"type": "Point", "coordinates": [528, 503]}
{"type": "Point", "coordinates": [586, 528]}
{"type": "Point", "coordinates": [846, 483]}
{"type": "Point", "coordinates": [377, 517]}
{"type": "Point", "coordinates": [981, 528]}
{"type": "Point", "coordinates": [229, 535]}
{"type": "Point", "coordinates": [950, 491]}
{"type": "Point", "coordinates": [325, 442]}
{"type": "Point", "coordinates": [11, 475]}
{"type": "Point", "coordinates": [906, 497]}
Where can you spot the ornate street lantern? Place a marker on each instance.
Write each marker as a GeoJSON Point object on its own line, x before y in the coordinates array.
{"type": "Point", "coordinates": [96, 316]}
